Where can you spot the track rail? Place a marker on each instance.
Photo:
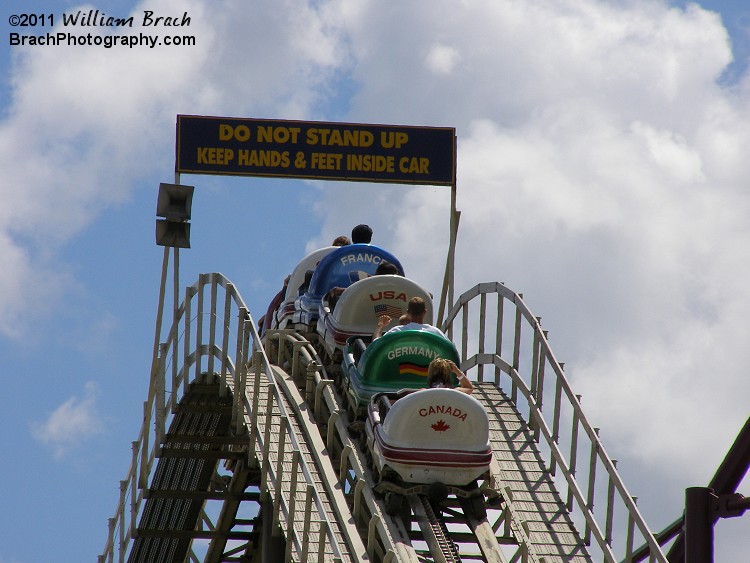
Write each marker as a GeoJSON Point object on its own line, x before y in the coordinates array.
{"type": "Point", "coordinates": [286, 412]}
{"type": "Point", "coordinates": [385, 537]}
{"type": "Point", "coordinates": [466, 534]}
{"type": "Point", "coordinates": [214, 334]}
{"type": "Point", "coordinates": [502, 341]}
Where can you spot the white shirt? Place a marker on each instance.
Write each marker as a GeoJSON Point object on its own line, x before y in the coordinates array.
{"type": "Point", "coordinates": [418, 326]}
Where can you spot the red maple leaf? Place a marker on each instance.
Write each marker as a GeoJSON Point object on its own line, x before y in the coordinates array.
{"type": "Point", "coordinates": [440, 426]}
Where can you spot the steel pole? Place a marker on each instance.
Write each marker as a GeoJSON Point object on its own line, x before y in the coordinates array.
{"type": "Point", "coordinates": [699, 525]}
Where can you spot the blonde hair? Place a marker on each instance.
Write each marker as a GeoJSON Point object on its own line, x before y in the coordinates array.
{"type": "Point", "coordinates": [439, 373]}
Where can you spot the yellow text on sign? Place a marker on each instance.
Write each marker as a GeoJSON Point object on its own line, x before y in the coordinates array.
{"type": "Point", "coordinates": [316, 136]}
{"type": "Point", "coordinates": [212, 155]}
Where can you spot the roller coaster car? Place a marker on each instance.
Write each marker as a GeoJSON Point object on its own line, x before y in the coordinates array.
{"type": "Point", "coordinates": [280, 312]}
{"type": "Point", "coordinates": [356, 313]}
{"type": "Point", "coordinates": [339, 268]}
{"type": "Point", "coordinates": [430, 437]}
{"type": "Point", "coordinates": [395, 361]}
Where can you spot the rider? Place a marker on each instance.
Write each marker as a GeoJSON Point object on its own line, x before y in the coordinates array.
{"type": "Point", "coordinates": [439, 375]}
{"type": "Point", "coordinates": [416, 310]}
{"type": "Point", "coordinates": [362, 234]}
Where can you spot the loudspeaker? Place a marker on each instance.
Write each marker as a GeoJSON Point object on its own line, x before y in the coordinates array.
{"type": "Point", "coordinates": [174, 202]}
{"type": "Point", "coordinates": [172, 233]}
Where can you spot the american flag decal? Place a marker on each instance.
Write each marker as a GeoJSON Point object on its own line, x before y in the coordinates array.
{"type": "Point", "coordinates": [390, 310]}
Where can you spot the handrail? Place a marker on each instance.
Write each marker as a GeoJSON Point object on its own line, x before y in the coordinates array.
{"type": "Point", "coordinates": [220, 320]}
{"type": "Point", "coordinates": [518, 335]}
{"type": "Point", "coordinates": [306, 367]}
{"type": "Point", "coordinates": [521, 354]}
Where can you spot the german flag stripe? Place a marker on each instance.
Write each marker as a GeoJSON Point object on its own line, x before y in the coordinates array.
{"type": "Point", "coordinates": [412, 369]}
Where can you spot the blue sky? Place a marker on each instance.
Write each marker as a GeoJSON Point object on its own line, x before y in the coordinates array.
{"type": "Point", "coordinates": [602, 173]}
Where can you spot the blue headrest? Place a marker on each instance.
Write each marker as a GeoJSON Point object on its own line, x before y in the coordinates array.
{"type": "Point", "coordinates": [346, 265]}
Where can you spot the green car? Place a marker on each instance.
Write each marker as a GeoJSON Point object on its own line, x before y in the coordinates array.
{"type": "Point", "coordinates": [395, 361]}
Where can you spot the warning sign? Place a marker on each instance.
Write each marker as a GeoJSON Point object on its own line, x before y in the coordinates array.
{"type": "Point", "coordinates": [319, 150]}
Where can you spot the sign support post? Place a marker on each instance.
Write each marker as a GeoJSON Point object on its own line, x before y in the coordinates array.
{"type": "Point", "coordinates": [449, 277]}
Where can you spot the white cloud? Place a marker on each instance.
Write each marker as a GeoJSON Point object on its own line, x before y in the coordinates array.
{"type": "Point", "coordinates": [86, 124]}
{"type": "Point", "coordinates": [601, 172]}
{"type": "Point", "coordinates": [70, 424]}
{"type": "Point", "coordinates": [442, 59]}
